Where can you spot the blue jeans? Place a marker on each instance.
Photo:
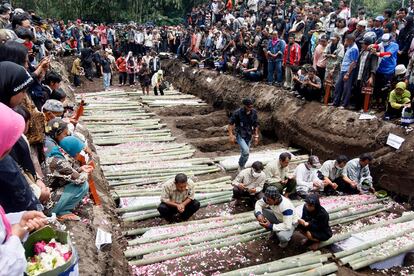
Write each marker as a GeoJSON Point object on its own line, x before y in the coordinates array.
{"type": "Point", "coordinates": [274, 67]}
{"type": "Point", "coordinates": [107, 80]}
{"type": "Point", "coordinates": [343, 90]}
{"type": "Point", "coordinates": [244, 150]}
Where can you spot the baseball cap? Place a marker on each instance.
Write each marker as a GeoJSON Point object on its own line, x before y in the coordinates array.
{"type": "Point", "coordinates": [363, 23]}
{"type": "Point", "coordinates": [379, 18]}
{"type": "Point", "coordinates": [385, 37]}
{"type": "Point", "coordinates": [314, 161]}
{"type": "Point", "coordinates": [273, 193]}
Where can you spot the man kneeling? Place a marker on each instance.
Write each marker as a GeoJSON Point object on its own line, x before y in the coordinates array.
{"type": "Point", "coordinates": [277, 213]}
{"type": "Point", "coordinates": [178, 197]}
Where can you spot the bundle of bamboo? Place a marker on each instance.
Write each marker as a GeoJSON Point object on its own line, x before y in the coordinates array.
{"type": "Point", "coordinates": [309, 262]}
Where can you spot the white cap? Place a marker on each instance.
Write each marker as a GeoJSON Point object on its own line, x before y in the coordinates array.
{"type": "Point", "coordinates": [385, 37]}
{"type": "Point", "coordinates": [327, 1]}
{"type": "Point", "coordinates": [400, 69]}
{"type": "Point", "coordinates": [363, 23]}
{"type": "Point", "coordinates": [269, 19]}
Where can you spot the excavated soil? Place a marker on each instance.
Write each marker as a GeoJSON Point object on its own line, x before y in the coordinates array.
{"type": "Point", "coordinates": [322, 130]}
{"type": "Point", "coordinates": [110, 259]}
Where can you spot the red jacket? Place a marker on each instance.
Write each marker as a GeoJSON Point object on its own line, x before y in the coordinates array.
{"type": "Point", "coordinates": [294, 55]}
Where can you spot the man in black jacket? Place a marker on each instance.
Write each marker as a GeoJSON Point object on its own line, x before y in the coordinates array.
{"type": "Point", "coordinates": [367, 66]}
{"type": "Point", "coordinates": [86, 60]}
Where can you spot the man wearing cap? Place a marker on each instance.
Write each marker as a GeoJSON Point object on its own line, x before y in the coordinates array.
{"type": "Point", "coordinates": [346, 77]}
{"type": "Point", "coordinates": [276, 213]}
{"type": "Point", "coordinates": [360, 31]}
{"type": "Point", "coordinates": [245, 122]}
{"type": "Point", "coordinates": [306, 176]}
{"type": "Point", "coordinates": [178, 197]}
{"type": "Point", "coordinates": [385, 72]}
{"type": "Point", "coordinates": [357, 176]}
{"type": "Point", "coordinates": [52, 109]}
{"type": "Point", "coordinates": [249, 183]}
{"type": "Point", "coordinates": [378, 30]}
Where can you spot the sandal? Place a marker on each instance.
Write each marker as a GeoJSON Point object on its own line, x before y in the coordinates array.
{"type": "Point", "coordinates": [70, 216]}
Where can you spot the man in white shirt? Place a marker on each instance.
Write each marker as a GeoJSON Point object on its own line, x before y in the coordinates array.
{"type": "Point", "coordinates": [307, 178]}
{"type": "Point", "coordinates": [276, 213]}
{"type": "Point", "coordinates": [249, 183]}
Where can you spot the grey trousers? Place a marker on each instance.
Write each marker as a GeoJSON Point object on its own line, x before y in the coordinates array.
{"type": "Point", "coordinates": [283, 236]}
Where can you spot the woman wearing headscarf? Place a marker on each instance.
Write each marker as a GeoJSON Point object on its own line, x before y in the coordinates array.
{"type": "Point", "coordinates": [66, 178]}
{"type": "Point", "coordinates": [14, 81]}
{"type": "Point", "coordinates": [404, 39]}
{"type": "Point", "coordinates": [15, 192]}
{"type": "Point", "coordinates": [15, 52]}
{"type": "Point", "coordinates": [58, 95]}
{"type": "Point", "coordinates": [314, 223]}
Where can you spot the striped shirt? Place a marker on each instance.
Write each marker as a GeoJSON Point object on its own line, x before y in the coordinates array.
{"type": "Point", "coordinates": [170, 193]}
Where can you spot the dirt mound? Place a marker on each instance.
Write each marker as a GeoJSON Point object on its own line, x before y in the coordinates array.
{"type": "Point", "coordinates": [326, 131]}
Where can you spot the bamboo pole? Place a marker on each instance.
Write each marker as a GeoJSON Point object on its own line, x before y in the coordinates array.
{"type": "Point", "coordinates": [279, 265]}
{"type": "Point", "coordinates": [139, 231]}
{"type": "Point", "coordinates": [135, 252]}
{"type": "Point", "coordinates": [378, 258]}
{"type": "Point", "coordinates": [155, 213]}
{"type": "Point", "coordinates": [356, 217]}
{"type": "Point", "coordinates": [323, 270]}
{"type": "Point", "coordinates": [341, 208]}
{"type": "Point", "coordinates": [192, 250]}
{"type": "Point", "coordinates": [343, 236]}
{"type": "Point", "coordinates": [189, 231]}
{"type": "Point", "coordinates": [342, 254]}
{"type": "Point", "coordinates": [293, 270]}
{"type": "Point", "coordinates": [154, 205]}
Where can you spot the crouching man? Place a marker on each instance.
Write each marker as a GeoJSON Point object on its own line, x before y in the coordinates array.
{"type": "Point", "coordinates": [277, 213]}
{"type": "Point", "coordinates": [177, 197]}
{"type": "Point", "coordinates": [249, 183]}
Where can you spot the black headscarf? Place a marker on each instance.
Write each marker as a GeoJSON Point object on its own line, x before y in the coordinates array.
{"type": "Point", "coordinates": [58, 94]}
{"type": "Point", "coordinates": [318, 219]}
{"type": "Point", "coordinates": [314, 200]}
{"type": "Point", "coordinates": [13, 79]}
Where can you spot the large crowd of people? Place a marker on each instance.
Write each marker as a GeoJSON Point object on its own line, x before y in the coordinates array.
{"type": "Point", "coordinates": [310, 49]}
{"type": "Point", "coordinates": [318, 51]}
